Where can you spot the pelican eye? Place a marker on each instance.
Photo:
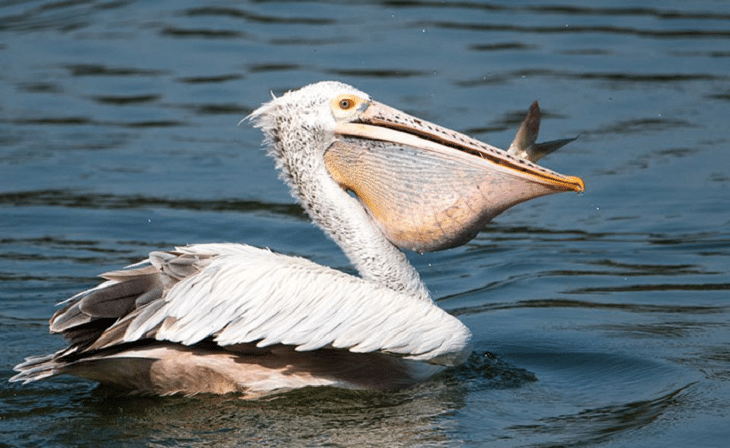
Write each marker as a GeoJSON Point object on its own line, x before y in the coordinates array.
{"type": "Point", "coordinates": [346, 106]}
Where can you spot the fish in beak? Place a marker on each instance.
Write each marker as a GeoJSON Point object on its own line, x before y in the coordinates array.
{"type": "Point", "coordinates": [430, 188]}
{"type": "Point", "coordinates": [524, 145]}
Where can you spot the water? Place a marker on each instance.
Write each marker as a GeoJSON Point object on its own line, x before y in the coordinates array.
{"type": "Point", "coordinates": [599, 319]}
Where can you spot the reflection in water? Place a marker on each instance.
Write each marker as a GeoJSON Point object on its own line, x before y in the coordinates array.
{"type": "Point", "coordinates": [422, 416]}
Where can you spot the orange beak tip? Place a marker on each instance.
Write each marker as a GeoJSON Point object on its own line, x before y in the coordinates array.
{"type": "Point", "coordinates": [578, 185]}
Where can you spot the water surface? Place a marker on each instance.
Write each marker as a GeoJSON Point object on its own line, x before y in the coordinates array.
{"type": "Point", "coordinates": [598, 319]}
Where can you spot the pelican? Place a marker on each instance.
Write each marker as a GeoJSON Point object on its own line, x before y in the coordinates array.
{"type": "Point", "coordinates": [232, 318]}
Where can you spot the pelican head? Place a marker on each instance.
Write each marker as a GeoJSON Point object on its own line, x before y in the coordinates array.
{"type": "Point", "coordinates": [426, 187]}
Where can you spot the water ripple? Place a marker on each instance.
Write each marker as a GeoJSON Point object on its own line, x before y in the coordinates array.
{"type": "Point", "coordinates": [565, 303]}
{"type": "Point", "coordinates": [104, 70]}
{"type": "Point", "coordinates": [123, 100]}
{"type": "Point", "coordinates": [267, 19]}
{"type": "Point", "coordinates": [578, 29]}
{"type": "Point", "coordinates": [594, 426]}
{"type": "Point", "coordinates": [210, 79]}
{"type": "Point", "coordinates": [200, 33]}
{"type": "Point", "coordinates": [60, 16]}
{"type": "Point", "coordinates": [379, 73]}
{"type": "Point", "coordinates": [73, 121]}
{"type": "Point", "coordinates": [266, 68]}
{"type": "Point", "coordinates": [563, 9]}
{"type": "Point", "coordinates": [77, 199]}
{"type": "Point", "coordinates": [613, 78]}
{"type": "Point", "coordinates": [653, 287]}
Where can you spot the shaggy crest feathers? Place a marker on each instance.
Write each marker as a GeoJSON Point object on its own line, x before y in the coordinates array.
{"type": "Point", "coordinates": [282, 120]}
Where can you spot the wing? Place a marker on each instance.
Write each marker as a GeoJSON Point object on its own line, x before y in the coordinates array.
{"type": "Point", "coordinates": [238, 294]}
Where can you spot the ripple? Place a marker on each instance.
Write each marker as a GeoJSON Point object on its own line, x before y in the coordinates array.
{"type": "Point", "coordinates": [85, 121]}
{"type": "Point", "coordinates": [565, 303]}
{"type": "Point", "coordinates": [577, 29]}
{"type": "Point", "coordinates": [265, 68]}
{"type": "Point", "coordinates": [586, 52]}
{"type": "Point", "coordinates": [563, 9]}
{"type": "Point", "coordinates": [55, 121]}
{"type": "Point", "coordinates": [701, 53]}
{"type": "Point", "coordinates": [638, 287]}
{"type": "Point", "coordinates": [379, 73]}
{"type": "Point", "coordinates": [242, 14]}
{"type": "Point", "coordinates": [642, 125]}
{"type": "Point", "coordinates": [723, 96]}
{"type": "Point", "coordinates": [218, 109]}
{"type": "Point", "coordinates": [677, 329]}
{"type": "Point", "coordinates": [713, 361]}
{"type": "Point", "coordinates": [62, 16]}
{"type": "Point", "coordinates": [77, 199]}
{"type": "Point", "coordinates": [215, 79]}
{"type": "Point", "coordinates": [153, 124]}
{"type": "Point", "coordinates": [40, 87]}
{"type": "Point", "coordinates": [502, 46]}
{"type": "Point", "coordinates": [123, 100]}
{"type": "Point", "coordinates": [623, 269]}
{"type": "Point", "coordinates": [201, 33]}
{"type": "Point", "coordinates": [307, 41]}
{"type": "Point", "coordinates": [487, 371]}
{"type": "Point", "coordinates": [614, 78]}
{"type": "Point", "coordinates": [104, 70]}
{"type": "Point", "coordinates": [597, 425]}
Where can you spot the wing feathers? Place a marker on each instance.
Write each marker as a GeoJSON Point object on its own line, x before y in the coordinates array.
{"type": "Point", "coordinates": [117, 299]}
{"type": "Point", "coordinates": [238, 294]}
{"type": "Point", "coordinates": [68, 317]}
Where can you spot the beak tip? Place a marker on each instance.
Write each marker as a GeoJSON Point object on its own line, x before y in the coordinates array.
{"type": "Point", "coordinates": [578, 185]}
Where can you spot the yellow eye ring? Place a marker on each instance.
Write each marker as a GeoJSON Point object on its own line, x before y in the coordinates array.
{"type": "Point", "coordinates": [345, 105]}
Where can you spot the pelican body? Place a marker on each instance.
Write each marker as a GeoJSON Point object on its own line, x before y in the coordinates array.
{"type": "Point", "coordinates": [232, 318]}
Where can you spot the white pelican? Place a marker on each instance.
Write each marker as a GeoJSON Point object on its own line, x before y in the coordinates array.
{"type": "Point", "coordinates": [221, 318]}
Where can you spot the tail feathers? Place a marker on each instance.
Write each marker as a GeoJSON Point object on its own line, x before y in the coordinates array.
{"type": "Point", "coordinates": [98, 318]}
{"type": "Point", "coordinates": [36, 368]}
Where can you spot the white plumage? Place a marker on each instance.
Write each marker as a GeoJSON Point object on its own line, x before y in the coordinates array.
{"type": "Point", "coordinates": [247, 295]}
{"type": "Point", "coordinates": [225, 318]}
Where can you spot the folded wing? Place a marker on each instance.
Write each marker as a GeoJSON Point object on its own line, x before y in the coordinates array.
{"type": "Point", "coordinates": [237, 294]}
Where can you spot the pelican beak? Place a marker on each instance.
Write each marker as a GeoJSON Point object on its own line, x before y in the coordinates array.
{"type": "Point", "coordinates": [428, 187]}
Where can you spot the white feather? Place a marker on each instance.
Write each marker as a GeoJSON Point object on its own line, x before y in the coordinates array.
{"type": "Point", "coordinates": [253, 295]}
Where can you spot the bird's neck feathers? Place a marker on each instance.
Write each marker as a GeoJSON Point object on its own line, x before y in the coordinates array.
{"type": "Point", "coordinates": [346, 221]}
{"type": "Point", "coordinates": [298, 150]}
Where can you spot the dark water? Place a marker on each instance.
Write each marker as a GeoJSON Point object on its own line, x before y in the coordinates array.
{"type": "Point", "coordinates": [599, 319]}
